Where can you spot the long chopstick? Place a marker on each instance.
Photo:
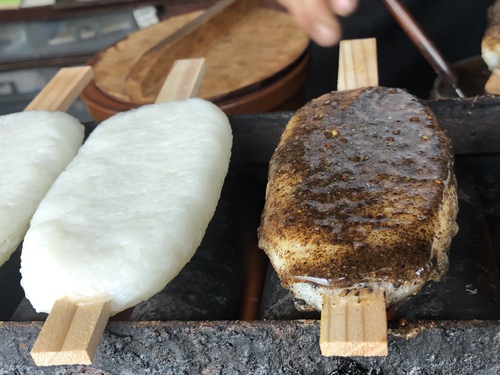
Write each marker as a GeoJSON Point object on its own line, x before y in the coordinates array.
{"type": "Point", "coordinates": [424, 44]}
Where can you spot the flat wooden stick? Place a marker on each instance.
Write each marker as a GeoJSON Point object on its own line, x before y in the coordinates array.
{"type": "Point", "coordinates": [355, 322]}
{"type": "Point", "coordinates": [183, 81]}
{"type": "Point", "coordinates": [62, 90]}
{"type": "Point", "coordinates": [493, 84]}
{"type": "Point", "coordinates": [357, 64]}
{"type": "Point", "coordinates": [71, 333]}
{"type": "Point", "coordinates": [73, 329]}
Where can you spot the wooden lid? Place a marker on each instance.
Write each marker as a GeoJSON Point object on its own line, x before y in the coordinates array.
{"type": "Point", "coordinates": [262, 44]}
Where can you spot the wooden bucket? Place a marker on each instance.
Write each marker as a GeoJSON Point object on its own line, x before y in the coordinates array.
{"type": "Point", "coordinates": [260, 65]}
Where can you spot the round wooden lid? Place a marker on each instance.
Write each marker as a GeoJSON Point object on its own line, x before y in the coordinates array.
{"type": "Point", "coordinates": [263, 44]}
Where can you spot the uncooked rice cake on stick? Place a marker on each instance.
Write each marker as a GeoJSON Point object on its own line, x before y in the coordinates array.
{"type": "Point", "coordinates": [130, 209]}
{"type": "Point", "coordinates": [125, 217]}
{"type": "Point", "coordinates": [35, 147]}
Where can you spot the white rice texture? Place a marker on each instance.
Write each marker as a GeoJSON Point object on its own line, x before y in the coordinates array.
{"type": "Point", "coordinates": [35, 146]}
{"type": "Point", "coordinates": [131, 208]}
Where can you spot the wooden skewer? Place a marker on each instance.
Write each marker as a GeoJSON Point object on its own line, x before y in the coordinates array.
{"type": "Point", "coordinates": [73, 329]}
{"type": "Point", "coordinates": [71, 333]}
{"type": "Point", "coordinates": [68, 339]}
{"type": "Point", "coordinates": [493, 84]}
{"type": "Point", "coordinates": [184, 80]}
{"type": "Point", "coordinates": [62, 90]}
{"type": "Point", "coordinates": [357, 64]}
{"type": "Point", "coordinates": [355, 322]}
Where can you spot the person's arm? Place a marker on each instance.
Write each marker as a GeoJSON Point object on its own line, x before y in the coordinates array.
{"type": "Point", "coordinates": [319, 17]}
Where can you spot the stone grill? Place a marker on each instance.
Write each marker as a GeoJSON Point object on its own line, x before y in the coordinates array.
{"type": "Point", "coordinates": [226, 313]}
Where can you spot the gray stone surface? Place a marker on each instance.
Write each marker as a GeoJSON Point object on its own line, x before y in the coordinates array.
{"type": "Point", "coordinates": [264, 347]}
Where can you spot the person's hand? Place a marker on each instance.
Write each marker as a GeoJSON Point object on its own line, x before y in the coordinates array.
{"type": "Point", "coordinates": [319, 17]}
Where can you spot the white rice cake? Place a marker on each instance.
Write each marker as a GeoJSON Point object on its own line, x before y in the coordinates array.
{"type": "Point", "coordinates": [35, 146]}
{"type": "Point", "coordinates": [131, 208]}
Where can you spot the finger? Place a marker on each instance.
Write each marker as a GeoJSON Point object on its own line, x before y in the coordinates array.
{"type": "Point", "coordinates": [316, 18]}
{"type": "Point", "coordinates": [326, 35]}
{"type": "Point", "coordinates": [343, 7]}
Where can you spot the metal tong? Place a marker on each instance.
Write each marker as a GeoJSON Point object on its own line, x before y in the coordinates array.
{"type": "Point", "coordinates": [423, 43]}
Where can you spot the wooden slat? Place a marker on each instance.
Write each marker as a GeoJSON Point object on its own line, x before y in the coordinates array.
{"type": "Point", "coordinates": [357, 64]}
{"type": "Point", "coordinates": [183, 81]}
{"type": "Point", "coordinates": [62, 90]}
{"type": "Point", "coordinates": [355, 323]}
{"type": "Point", "coordinates": [71, 333]}
{"type": "Point", "coordinates": [493, 84]}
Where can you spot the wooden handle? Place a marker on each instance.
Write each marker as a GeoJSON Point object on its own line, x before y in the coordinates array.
{"type": "Point", "coordinates": [71, 333]}
{"type": "Point", "coordinates": [493, 84]}
{"type": "Point", "coordinates": [183, 81]}
{"type": "Point", "coordinates": [62, 90]}
{"type": "Point", "coordinates": [143, 81]}
{"type": "Point", "coordinates": [357, 64]}
{"type": "Point", "coordinates": [354, 324]}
